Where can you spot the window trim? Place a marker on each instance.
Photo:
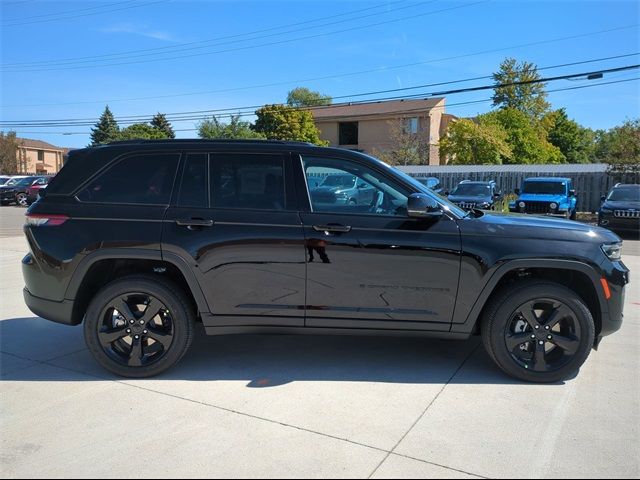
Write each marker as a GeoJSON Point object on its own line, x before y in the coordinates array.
{"type": "Point", "coordinates": [117, 161]}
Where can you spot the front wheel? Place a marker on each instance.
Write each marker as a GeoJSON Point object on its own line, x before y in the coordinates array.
{"type": "Point", "coordinates": [538, 331]}
{"type": "Point", "coordinates": [139, 326]}
{"type": "Point", "coordinates": [21, 199]}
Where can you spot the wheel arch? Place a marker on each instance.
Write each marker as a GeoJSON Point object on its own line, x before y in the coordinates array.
{"type": "Point", "coordinates": [101, 267]}
{"type": "Point", "coordinates": [579, 277]}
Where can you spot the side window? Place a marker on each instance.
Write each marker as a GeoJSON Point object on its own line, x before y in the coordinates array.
{"type": "Point", "coordinates": [342, 186]}
{"type": "Point", "coordinates": [249, 181]}
{"type": "Point", "coordinates": [193, 188]}
{"type": "Point", "coordinates": [144, 179]}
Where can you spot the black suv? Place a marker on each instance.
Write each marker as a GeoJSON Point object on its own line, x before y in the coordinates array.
{"type": "Point", "coordinates": [620, 210]}
{"type": "Point", "coordinates": [139, 240]}
{"type": "Point", "coordinates": [469, 195]}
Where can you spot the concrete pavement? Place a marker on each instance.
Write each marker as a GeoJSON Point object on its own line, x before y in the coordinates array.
{"type": "Point", "coordinates": [286, 406]}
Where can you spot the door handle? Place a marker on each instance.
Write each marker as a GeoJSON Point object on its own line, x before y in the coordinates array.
{"type": "Point", "coordinates": [194, 222]}
{"type": "Point", "coordinates": [332, 228]}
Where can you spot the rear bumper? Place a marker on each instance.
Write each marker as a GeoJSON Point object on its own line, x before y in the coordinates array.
{"type": "Point", "coordinates": [59, 312]}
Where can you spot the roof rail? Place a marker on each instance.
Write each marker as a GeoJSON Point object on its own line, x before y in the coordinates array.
{"type": "Point", "coordinates": [206, 140]}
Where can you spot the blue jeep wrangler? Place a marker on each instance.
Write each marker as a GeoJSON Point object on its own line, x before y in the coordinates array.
{"type": "Point", "coordinates": [546, 196]}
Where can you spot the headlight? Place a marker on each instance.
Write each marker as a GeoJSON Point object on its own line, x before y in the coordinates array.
{"type": "Point", "coordinates": [613, 251]}
{"type": "Point", "coordinates": [522, 204]}
{"type": "Point", "coordinates": [553, 206]}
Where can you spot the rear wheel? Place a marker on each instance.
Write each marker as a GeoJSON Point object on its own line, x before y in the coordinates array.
{"type": "Point", "coordinates": [538, 331]}
{"type": "Point", "coordinates": [139, 326]}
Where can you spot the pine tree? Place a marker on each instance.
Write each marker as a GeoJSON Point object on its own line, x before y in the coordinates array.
{"type": "Point", "coordinates": [106, 130]}
{"type": "Point", "coordinates": [160, 122]}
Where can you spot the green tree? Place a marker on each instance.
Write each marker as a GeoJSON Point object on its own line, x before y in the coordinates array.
{"type": "Point", "coordinates": [575, 142]}
{"type": "Point", "coordinates": [621, 144]}
{"type": "Point", "coordinates": [406, 148]}
{"type": "Point", "coordinates": [160, 122]}
{"type": "Point", "coordinates": [9, 145]}
{"type": "Point", "coordinates": [529, 98]}
{"type": "Point", "coordinates": [282, 122]}
{"type": "Point", "coordinates": [106, 129]}
{"type": "Point", "coordinates": [235, 129]}
{"type": "Point", "coordinates": [481, 142]}
{"type": "Point", "coordinates": [141, 131]}
{"type": "Point", "coordinates": [526, 137]}
{"type": "Point", "coordinates": [303, 97]}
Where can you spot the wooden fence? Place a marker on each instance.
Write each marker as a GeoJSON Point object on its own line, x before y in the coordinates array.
{"type": "Point", "coordinates": [590, 181]}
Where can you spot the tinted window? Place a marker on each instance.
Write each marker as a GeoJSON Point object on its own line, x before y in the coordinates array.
{"type": "Point", "coordinates": [545, 188]}
{"type": "Point", "coordinates": [472, 189]}
{"type": "Point", "coordinates": [193, 189]}
{"type": "Point", "coordinates": [139, 179]}
{"type": "Point", "coordinates": [247, 181]}
{"type": "Point", "coordinates": [365, 192]}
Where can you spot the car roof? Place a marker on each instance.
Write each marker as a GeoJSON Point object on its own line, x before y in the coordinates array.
{"type": "Point", "coordinates": [477, 182]}
{"type": "Point", "coordinates": [626, 185]}
{"type": "Point", "coordinates": [548, 179]}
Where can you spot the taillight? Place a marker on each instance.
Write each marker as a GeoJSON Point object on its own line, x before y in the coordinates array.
{"type": "Point", "coordinates": [40, 220]}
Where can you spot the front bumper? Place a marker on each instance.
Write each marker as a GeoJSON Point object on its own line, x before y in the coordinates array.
{"type": "Point", "coordinates": [59, 312]}
{"type": "Point", "coordinates": [619, 223]}
{"type": "Point", "coordinates": [8, 197]}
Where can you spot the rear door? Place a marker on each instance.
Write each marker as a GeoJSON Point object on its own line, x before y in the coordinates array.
{"type": "Point", "coordinates": [234, 221]}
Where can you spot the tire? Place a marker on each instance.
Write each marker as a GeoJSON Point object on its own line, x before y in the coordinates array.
{"type": "Point", "coordinates": [21, 199]}
{"type": "Point", "coordinates": [573, 216]}
{"type": "Point", "coordinates": [163, 339]}
{"type": "Point", "coordinates": [529, 360]}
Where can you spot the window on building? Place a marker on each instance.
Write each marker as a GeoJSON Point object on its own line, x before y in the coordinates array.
{"type": "Point", "coordinates": [247, 181]}
{"type": "Point", "coordinates": [348, 133]}
{"type": "Point", "coordinates": [138, 179]}
{"type": "Point", "coordinates": [41, 155]}
{"type": "Point", "coordinates": [411, 125]}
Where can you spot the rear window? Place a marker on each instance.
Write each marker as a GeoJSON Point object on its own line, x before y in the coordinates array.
{"type": "Point", "coordinates": [145, 179]}
{"type": "Point", "coordinates": [248, 181]}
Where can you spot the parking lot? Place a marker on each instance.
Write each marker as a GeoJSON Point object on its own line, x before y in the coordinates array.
{"type": "Point", "coordinates": [286, 406]}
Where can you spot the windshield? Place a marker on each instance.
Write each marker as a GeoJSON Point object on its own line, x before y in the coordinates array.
{"type": "Point", "coordinates": [12, 181]}
{"type": "Point", "coordinates": [25, 182]}
{"type": "Point", "coordinates": [3, 180]}
{"type": "Point", "coordinates": [472, 190]}
{"type": "Point", "coordinates": [545, 188]}
{"type": "Point", "coordinates": [625, 195]}
{"type": "Point", "coordinates": [339, 181]}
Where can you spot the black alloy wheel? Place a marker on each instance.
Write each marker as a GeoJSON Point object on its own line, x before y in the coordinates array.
{"type": "Point", "coordinates": [543, 335]}
{"type": "Point", "coordinates": [538, 331]}
{"type": "Point", "coordinates": [136, 329]}
{"type": "Point", "coordinates": [139, 326]}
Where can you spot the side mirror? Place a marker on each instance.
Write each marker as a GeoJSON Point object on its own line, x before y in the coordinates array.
{"type": "Point", "coordinates": [446, 193]}
{"type": "Point", "coordinates": [497, 195]}
{"type": "Point", "coordinates": [572, 193]}
{"type": "Point", "coordinates": [517, 191]}
{"type": "Point", "coordinates": [603, 198]}
{"type": "Point", "coordinates": [423, 206]}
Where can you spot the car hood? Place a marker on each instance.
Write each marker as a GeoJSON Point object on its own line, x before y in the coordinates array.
{"type": "Point", "coordinates": [470, 198]}
{"type": "Point", "coordinates": [621, 205]}
{"type": "Point", "coordinates": [529, 227]}
{"type": "Point", "coordinates": [4, 188]}
{"type": "Point", "coordinates": [534, 197]}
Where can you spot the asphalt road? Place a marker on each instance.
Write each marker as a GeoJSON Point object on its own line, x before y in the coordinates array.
{"type": "Point", "coordinates": [286, 406]}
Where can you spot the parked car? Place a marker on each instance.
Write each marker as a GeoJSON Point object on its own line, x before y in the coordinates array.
{"type": "Point", "coordinates": [140, 240]}
{"type": "Point", "coordinates": [469, 195]}
{"type": "Point", "coordinates": [546, 196]}
{"type": "Point", "coordinates": [32, 191]}
{"type": "Point", "coordinates": [431, 182]}
{"type": "Point", "coordinates": [620, 210]}
{"type": "Point", "coordinates": [345, 189]}
{"type": "Point", "coordinates": [16, 191]}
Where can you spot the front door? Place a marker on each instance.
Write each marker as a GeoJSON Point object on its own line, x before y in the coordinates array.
{"type": "Point", "coordinates": [234, 221]}
{"type": "Point", "coordinates": [369, 265]}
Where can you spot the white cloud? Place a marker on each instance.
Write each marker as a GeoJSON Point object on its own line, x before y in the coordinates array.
{"type": "Point", "coordinates": [141, 30]}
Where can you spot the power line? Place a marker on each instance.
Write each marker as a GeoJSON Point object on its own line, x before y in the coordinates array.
{"type": "Point", "coordinates": [361, 72]}
{"type": "Point", "coordinates": [451, 105]}
{"type": "Point", "coordinates": [179, 116]}
{"type": "Point", "coordinates": [179, 46]}
{"type": "Point", "coordinates": [57, 14]}
{"type": "Point", "coordinates": [5, 25]}
{"type": "Point", "coordinates": [235, 49]}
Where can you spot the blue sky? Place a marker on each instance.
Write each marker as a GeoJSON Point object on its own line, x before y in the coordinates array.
{"type": "Point", "coordinates": [204, 55]}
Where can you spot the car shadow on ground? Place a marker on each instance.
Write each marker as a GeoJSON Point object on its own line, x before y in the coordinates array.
{"type": "Point", "coordinates": [263, 361]}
